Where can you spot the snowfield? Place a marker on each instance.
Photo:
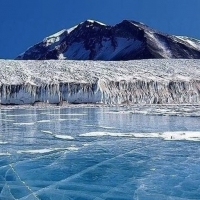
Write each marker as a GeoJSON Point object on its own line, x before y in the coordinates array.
{"type": "Point", "coordinates": [163, 81]}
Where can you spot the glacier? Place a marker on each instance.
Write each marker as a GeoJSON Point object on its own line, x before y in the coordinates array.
{"type": "Point", "coordinates": [154, 81]}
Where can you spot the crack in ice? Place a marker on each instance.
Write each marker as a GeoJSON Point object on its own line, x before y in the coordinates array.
{"type": "Point", "coordinates": [70, 178]}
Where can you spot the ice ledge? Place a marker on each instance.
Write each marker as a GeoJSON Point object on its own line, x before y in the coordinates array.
{"type": "Point", "coordinates": [131, 82]}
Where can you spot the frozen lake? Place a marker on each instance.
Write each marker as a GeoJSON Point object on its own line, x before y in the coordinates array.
{"type": "Point", "coordinates": [86, 153]}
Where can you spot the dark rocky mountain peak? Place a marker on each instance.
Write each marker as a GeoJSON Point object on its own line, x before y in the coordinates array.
{"type": "Point", "coordinates": [128, 40]}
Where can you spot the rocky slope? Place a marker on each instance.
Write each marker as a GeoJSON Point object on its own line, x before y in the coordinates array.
{"type": "Point", "coordinates": [128, 40]}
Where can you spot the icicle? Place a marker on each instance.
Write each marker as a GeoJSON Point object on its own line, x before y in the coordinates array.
{"type": "Point", "coordinates": [103, 91]}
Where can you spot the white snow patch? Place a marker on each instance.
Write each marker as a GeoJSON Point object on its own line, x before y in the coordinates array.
{"type": "Point", "coordinates": [44, 121]}
{"type": "Point", "coordinates": [177, 135]}
{"type": "Point", "coordinates": [36, 151]}
{"type": "Point", "coordinates": [72, 148]}
{"type": "Point", "coordinates": [3, 142]}
{"type": "Point", "coordinates": [7, 120]}
{"type": "Point", "coordinates": [61, 56]}
{"type": "Point", "coordinates": [42, 151]}
{"type": "Point", "coordinates": [191, 41]}
{"type": "Point", "coordinates": [166, 110]}
{"type": "Point", "coordinates": [5, 154]}
{"type": "Point", "coordinates": [56, 34]}
{"type": "Point", "coordinates": [86, 144]}
{"type": "Point", "coordinates": [55, 38]}
{"type": "Point", "coordinates": [64, 137]}
{"type": "Point", "coordinates": [93, 21]}
{"type": "Point", "coordinates": [101, 134]}
{"type": "Point", "coordinates": [64, 114]}
{"type": "Point", "coordinates": [49, 132]}
{"type": "Point", "coordinates": [23, 115]}
{"type": "Point", "coordinates": [24, 123]}
{"type": "Point", "coordinates": [71, 29]}
{"type": "Point", "coordinates": [106, 127]}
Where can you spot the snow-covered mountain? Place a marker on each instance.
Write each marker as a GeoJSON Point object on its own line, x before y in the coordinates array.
{"type": "Point", "coordinates": [158, 81]}
{"type": "Point", "coordinates": [128, 40]}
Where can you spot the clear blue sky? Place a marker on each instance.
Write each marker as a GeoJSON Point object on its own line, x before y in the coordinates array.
{"type": "Point", "coordinates": [26, 22]}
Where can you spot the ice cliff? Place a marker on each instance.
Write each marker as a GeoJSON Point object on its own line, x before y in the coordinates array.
{"type": "Point", "coordinates": [131, 82]}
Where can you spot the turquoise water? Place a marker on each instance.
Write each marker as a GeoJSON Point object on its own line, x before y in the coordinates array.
{"type": "Point", "coordinates": [93, 153]}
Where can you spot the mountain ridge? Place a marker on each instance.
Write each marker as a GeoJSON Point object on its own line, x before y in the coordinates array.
{"type": "Point", "coordinates": [127, 40]}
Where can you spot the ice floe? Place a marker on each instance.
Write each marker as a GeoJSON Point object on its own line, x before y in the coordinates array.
{"type": "Point", "coordinates": [59, 136]}
{"type": "Point", "coordinates": [173, 135]}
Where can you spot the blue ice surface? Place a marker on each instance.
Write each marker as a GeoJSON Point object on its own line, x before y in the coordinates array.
{"type": "Point", "coordinates": [38, 159]}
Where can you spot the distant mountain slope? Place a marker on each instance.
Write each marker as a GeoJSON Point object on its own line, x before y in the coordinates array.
{"type": "Point", "coordinates": [128, 40]}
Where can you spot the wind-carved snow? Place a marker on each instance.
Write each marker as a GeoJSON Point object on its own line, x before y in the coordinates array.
{"type": "Point", "coordinates": [131, 82]}
{"type": "Point", "coordinates": [56, 34]}
{"type": "Point", "coordinates": [191, 41]}
{"type": "Point", "coordinates": [55, 38]}
{"type": "Point", "coordinates": [164, 49]}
